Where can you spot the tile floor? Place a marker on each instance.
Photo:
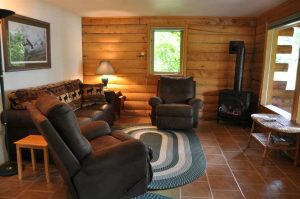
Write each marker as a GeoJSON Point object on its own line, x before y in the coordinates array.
{"type": "Point", "coordinates": [230, 173]}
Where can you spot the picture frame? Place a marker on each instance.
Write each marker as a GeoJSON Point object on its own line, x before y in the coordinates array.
{"type": "Point", "coordinates": [26, 43]}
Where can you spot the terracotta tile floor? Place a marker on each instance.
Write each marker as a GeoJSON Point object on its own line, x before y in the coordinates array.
{"type": "Point", "coordinates": [230, 173]}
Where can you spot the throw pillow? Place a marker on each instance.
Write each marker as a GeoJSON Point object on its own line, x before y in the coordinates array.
{"type": "Point", "coordinates": [61, 94]}
{"type": "Point", "coordinates": [74, 93]}
{"type": "Point", "coordinates": [92, 94]}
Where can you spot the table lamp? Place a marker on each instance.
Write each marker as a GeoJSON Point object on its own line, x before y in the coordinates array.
{"type": "Point", "coordinates": [8, 168]}
{"type": "Point", "coordinates": [105, 68]}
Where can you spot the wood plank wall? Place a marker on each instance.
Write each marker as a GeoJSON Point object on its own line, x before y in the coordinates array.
{"type": "Point", "coordinates": [280, 96]}
{"type": "Point", "coordinates": [121, 40]}
{"type": "Point", "coordinates": [286, 9]}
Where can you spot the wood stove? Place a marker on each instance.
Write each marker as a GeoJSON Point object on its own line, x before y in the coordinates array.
{"type": "Point", "coordinates": [235, 104]}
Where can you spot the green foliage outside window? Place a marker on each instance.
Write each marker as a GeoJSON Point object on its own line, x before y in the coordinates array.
{"type": "Point", "coordinates": [167, 51]}
{"type": "Point", "coordinates": [17, 50]}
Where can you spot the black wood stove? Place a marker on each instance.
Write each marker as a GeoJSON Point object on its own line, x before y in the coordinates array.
{"type": "Point", "coordinates": [235, 104]}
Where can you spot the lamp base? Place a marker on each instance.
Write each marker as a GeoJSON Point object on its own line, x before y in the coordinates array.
{"type": "Point", "coordinates": [104, 81]}
{"type": "Point", "coordinates": [8, 169]}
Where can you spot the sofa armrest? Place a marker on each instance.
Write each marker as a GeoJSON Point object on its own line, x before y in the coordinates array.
{"type": "Point", "coordinates": [120, 171]}
{"type": "Point", "coordinates": [154, 101]}
{"type": "Point", "coordinates": [95, 129]}
{"type": "Point", "coordinates": [128, 152]}
{"type": "Point", "coordinates": [195, 103]}
{"type": "Point", "coordinates": [18, 119]}
{"type": "Point", "coordinates": [111, 97]}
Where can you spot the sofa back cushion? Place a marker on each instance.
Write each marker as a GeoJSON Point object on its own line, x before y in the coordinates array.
{"type": "Point", "coordinates": [63, 90]}
{"type": "Point", "coordinates": [20, 97]}
{"type": "Point", "coordinates": [60, 92]}
{"type": "Point", "coordinates": [92, 94]}
{"type": "Point", "coordinates": [74, 93]}
{"type": "Point", "coordinates": [65, 123]}
{"type": "Point", "coordinates": [176, 89]}
{"type": "Point", "coordinates": [68, 92]}
{"type": "Point", "coordinates": [15, 103]}
{"type": "Point", "coordinates": [65, 160]}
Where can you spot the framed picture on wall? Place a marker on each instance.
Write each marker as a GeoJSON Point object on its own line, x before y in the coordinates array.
{"type": "Point", "coordinates": [26, 43]}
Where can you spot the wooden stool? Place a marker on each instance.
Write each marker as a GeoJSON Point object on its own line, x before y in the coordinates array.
{"type": "Point", "coordinates": [33, 142]}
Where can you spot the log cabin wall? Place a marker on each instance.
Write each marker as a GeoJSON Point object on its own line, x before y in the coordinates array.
{"type": "Point", "coordinates": [284, 10]}
{"type": "Point", "coordinates": [121, 40]}
{"type": "Point", "coordinates": [280, 96]}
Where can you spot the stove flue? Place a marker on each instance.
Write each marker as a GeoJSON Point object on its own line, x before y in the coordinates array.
{"type": "Point", "coordinates": [238, 48]}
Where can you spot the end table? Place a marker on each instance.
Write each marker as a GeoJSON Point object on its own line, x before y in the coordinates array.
{"type": "Point", "coordinates": [275, 124]}
{"type": "Point", "coordinates": [33, 142]}
{"type": "Point", "coordinates": [120, 102]}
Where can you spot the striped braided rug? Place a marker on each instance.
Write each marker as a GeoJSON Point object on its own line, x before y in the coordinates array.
{"type": "Point", "coordinates": [178, 158]}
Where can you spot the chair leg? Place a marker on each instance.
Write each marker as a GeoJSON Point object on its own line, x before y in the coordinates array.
{"type": "Point", "coordinates": [19, 160]}
{"type": "Point", "coordinates": [46, 162]}
{"type": "Point", "coordinates": [33, 159]}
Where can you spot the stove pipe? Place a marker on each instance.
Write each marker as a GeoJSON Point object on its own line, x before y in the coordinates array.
{"type": "Point", "coordinates": [238, 48]}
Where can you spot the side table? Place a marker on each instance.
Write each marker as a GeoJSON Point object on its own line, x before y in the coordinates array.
{"type": "Point", "coordinates": [33, 142]}
{"type": "Point", "coordinates": [275, 124]}
{"type": "Point", "coordinates": [120, 103]}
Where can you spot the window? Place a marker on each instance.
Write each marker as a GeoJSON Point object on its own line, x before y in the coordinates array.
{"type": "Point", "coordinates": [281, 77]}
{"type": "Point", "coordinates": [166, 51]}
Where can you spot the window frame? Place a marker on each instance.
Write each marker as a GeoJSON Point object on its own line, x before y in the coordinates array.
{"type": "Point", "coordinates": [182, 50]}
{"type": "Point", "coordinates": [268, 72]}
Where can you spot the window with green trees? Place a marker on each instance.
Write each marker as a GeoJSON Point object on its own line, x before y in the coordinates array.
{"type": "Point", "coordinates": [166, 50]}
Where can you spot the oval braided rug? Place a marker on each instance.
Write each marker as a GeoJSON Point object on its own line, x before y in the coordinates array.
{"type": "Point", "coordinates": [149, 195]}
{"type": "Point", "coordinates": [178, 158]}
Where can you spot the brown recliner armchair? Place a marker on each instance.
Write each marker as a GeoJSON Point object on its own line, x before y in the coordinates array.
{"type": "Point", "coordinates": [175, 107]}
{"type": "Point", "coordinates": [94, 162]}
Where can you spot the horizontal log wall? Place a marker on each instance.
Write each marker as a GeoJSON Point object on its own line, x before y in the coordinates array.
{"type": "Point", "coordinates": [121, 40]}
{"type": "Point", "coordinates": [280, 96]}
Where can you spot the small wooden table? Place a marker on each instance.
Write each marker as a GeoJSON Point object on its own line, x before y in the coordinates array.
{"type": "Point", "coordinates": [33, 142]}
{"type": "Point", "coordinates": [275, 124]}
{"type": "Point", "coordinates": [120, 103]}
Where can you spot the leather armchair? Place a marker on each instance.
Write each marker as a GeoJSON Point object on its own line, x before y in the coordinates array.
{"type": "Point", "coordinates": [175, 106]}
{"type": "Point", "coordinates": [94, 162]}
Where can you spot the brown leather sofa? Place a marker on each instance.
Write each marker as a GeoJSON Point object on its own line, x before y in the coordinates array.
{"type": "Point", "coordinates": [175, 107]}
{"type": "Point", "coordinates": [94, 162]}
{"type": "Point", "coordinates": [20, 124]}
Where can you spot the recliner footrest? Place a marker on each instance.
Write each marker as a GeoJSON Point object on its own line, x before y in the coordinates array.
{"type": "Point", "coordinates": [174, 116]}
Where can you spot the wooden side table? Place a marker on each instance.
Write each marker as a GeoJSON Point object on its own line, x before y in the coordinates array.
{"type": "Point", "coordinates": [33, 142]}
{"type": "Point", "coordinates": [275, 124]}
{"type": "Point", "coordinates": [120, 103]}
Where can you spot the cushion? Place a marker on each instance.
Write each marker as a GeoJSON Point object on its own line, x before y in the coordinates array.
{"type": "Point", "coordinates": [61, 93]}
{"type": "Point", "coordinates": [65, 123]}
{"type": "Point", "coordinates": [74, 93]}
{"type": "Point", "coordinates": [176, 89]}
{"type": "Point", "coordinates": [29, 95]}
{"type": "Point", "coordinates": [174, 110]}
{"type": "Point", "coordinates": [102, 142]}
{"type": "Point", "coordinates": [83, 120]}
{"type": "Point", "coordinates": [92, 94]}
{"type": "Point", "coordinates": [15, 103]}
{"type": "Point", "coordinates": [92, 114]}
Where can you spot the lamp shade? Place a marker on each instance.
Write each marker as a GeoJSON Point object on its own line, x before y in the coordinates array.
{"type": "Point", "coordinates": [105, 68]}
{"type": "Point", "coordinates": [5, 13]}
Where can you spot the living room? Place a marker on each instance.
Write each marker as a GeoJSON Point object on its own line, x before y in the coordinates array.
{"type": "Point", "coordinates": [225, 51]}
